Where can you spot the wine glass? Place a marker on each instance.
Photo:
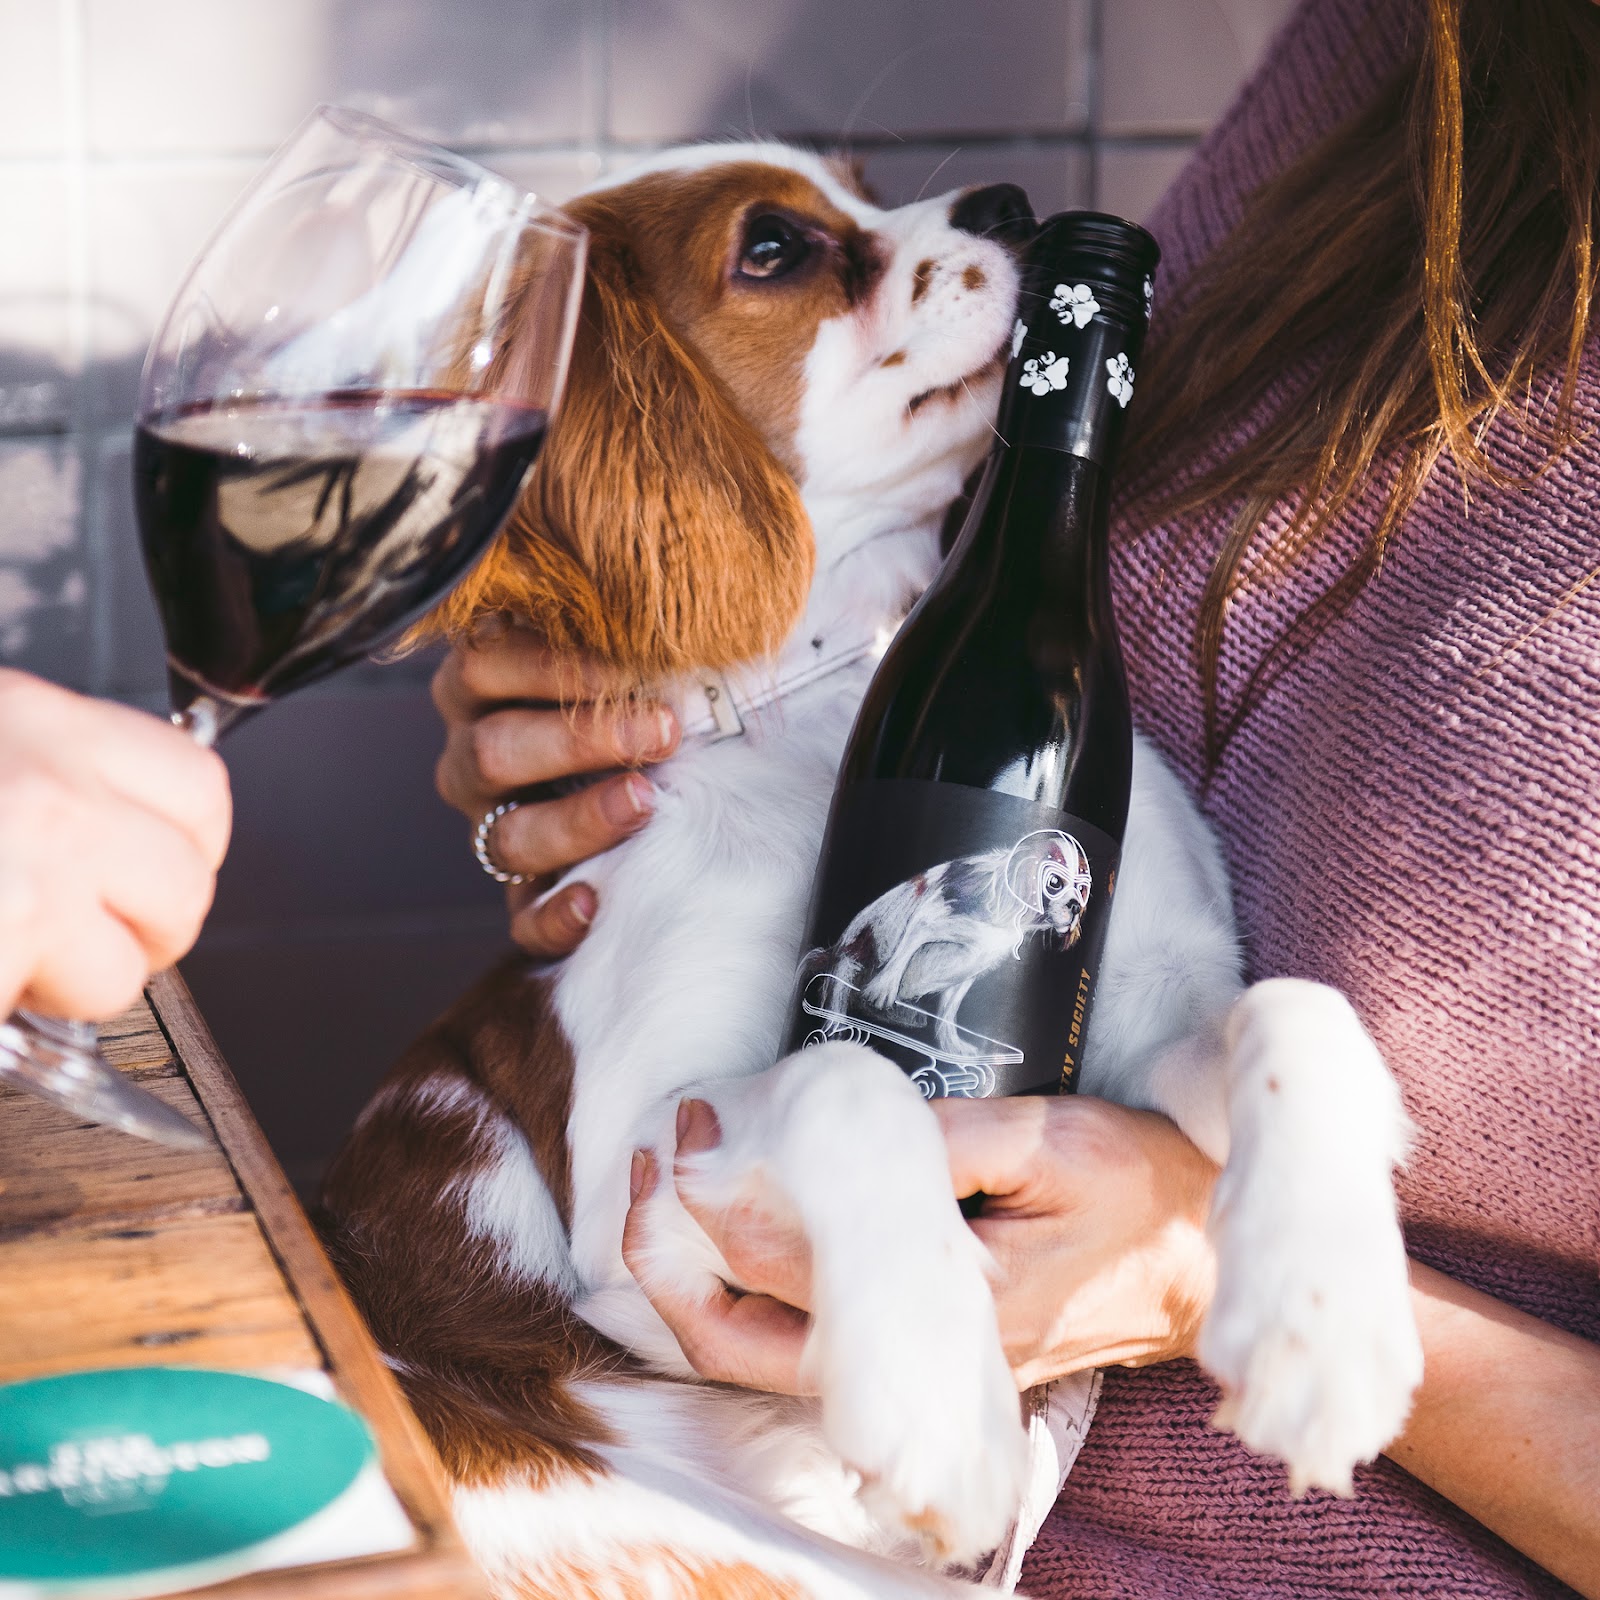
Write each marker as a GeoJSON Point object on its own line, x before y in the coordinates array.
{"type": "Point", "coordinates": [335, 418]}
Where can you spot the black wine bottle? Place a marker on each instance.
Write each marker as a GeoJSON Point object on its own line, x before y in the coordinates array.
{"type": "Point", "coordinates": [966, 878]}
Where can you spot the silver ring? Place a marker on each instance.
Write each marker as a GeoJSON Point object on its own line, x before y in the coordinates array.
{"type": "Point", "coordinates": [480, 843]}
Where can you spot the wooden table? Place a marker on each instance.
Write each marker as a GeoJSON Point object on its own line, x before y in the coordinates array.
{"type": "Point", "coordinates": [118, 1252]}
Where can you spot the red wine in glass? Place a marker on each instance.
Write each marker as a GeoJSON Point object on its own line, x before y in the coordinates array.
{"type": "Point", "coordinates": [335, 418]}
{"type": "Point", "coordinates": [287, 538]}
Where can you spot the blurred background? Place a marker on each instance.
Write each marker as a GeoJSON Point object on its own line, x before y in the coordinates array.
{"type": "Point", "coordinates": [350, 910]}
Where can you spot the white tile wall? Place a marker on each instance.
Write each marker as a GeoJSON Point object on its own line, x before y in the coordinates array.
{"type": "Point", "coordinates": [33, 114]}
{"type": "Point", "coordinates": [44, 589]}
{"type": "Point", "coordinates": [236, 76]}
{"type": "Point", "coordinates": [1171, 66]}
{"type": "Point", "coordinates": [1057, 177]}
{"type": "Point", "coordinates": [838, 68]}
{"type": "Point", "coordinates": [38, 354]}
{"type": "Point", "coordinates": [146, 223]}
{"type": "Point", "coordinates": [552, 176]}
{"type": "Point", "coordinates": [126, 129]}
{"type": "Point", "coordinates": [488, 72]}
{"type": "Point", "coordinates": [1130, 178]}
{"type": "Point", "coordinates": [164, 77]}
{"type": "Point", "coordinates": [130, 647]}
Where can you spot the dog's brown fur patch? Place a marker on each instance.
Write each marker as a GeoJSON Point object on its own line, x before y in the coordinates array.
{"type": "Point", "coordinates": [657, 1573]}
{"type": "Point", "coordinates": [487, 1357]}
{"type": "Point", "coordinates": [663, 528]}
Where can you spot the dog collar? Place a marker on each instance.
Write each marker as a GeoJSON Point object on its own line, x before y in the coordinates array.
{"type": "Point", "coordinates": [715, 707]}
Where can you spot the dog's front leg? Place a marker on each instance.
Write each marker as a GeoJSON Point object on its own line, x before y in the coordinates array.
{"type": "Point", "coordinates": [904, 1350]}
{"type": "Point", "coordinates": [949, 1004]}
{"type": "Point", "coordinates": [1311, 1332]}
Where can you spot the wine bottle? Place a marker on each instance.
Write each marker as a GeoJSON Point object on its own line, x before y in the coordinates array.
{"type": "Point", "coordinates": [966, 878]}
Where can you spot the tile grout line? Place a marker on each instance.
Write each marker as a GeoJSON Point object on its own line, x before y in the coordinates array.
{"type": "Point", "coordinates": [74, 168]}
{"type": "Point", "coordinates": [1096, 63]}
{"type": "Point", "coordinates": [599, 16]}
{"type": "Point", "coordinates": [75, 174]}
{"type": "Point", "coordinates": [998, 141]}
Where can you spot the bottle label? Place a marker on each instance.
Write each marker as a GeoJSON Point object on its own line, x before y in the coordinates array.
{"type": "Point", "coordinates": [958, 932]}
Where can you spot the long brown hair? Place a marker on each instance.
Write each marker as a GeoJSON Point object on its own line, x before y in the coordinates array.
{"type": "Point", "coordinates": [1426, 267]}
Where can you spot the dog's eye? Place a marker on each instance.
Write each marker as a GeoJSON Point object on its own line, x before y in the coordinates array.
{"type": "Point", "coordinates": [772, 247]}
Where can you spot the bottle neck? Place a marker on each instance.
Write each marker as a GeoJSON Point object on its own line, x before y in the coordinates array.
{"type": "Point", "coordinates": [1072, 374]}
{"type": "Point", "coordinates": [1036, 535]}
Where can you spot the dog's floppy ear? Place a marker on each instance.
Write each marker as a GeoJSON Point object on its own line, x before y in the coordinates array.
{"type": "Point", "coordinates": [659, 531]}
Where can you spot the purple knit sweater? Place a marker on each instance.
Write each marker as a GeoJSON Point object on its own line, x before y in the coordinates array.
{"type": "Point", "coordinates": [1409, 815]}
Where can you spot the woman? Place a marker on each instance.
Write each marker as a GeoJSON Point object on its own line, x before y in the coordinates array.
{"type": "Point", "coordinates": [1356, 572]}
{"type": "Point", "coordinates": [112, 827]}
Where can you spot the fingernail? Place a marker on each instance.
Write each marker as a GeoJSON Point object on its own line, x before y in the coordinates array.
{"type": "Point", "coordinates": [626, 802]}
{"type": "Point", "coordinates": [647, 735]}
{"type": "Point", "coordinates": [581, 906]}
{"type": "Point", "coordinates": [698, 1128]}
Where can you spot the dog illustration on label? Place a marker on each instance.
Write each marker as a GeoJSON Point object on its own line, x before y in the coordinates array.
{"type": "Point", "coordinates": [901, 969]}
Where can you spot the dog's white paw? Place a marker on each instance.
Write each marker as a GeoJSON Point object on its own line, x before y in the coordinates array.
{"type": "Point", "coordinates": [1312, 1337]}
{"type": "Point", "coordinates": [917, 1397]}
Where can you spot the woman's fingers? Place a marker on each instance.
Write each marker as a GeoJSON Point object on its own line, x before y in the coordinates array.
{"type": "Point", "coordinates": [165, 773]}
{"type": "Point", "coordinates": [542, 838]}
{"type": "Point", "coordinates": [518, 716]}
{"type": "Point", "coordinates": [551, 925]}
{"type": "Point", "coordinates": [502, 751]}
{"type": "Point", "coordinates": [119, 892]}
{"type": "Point", "coordinates": [509, 663]}
{"type": "Point", "coordinates": [766, 1250]}
{"type": "Point", "coordinates": [515, 748]}
{"type": "Point", "coordinates": [745, 1339]}
{"type": "Point", "coordinates": [995, 1147]}
{"type": "Point", "coordinates": [97, 972]}
{"type": "Point", "coordinates": [728, 1337]}
{"type": "Point", "coordinates": [152, 879]}
{"type": "Point", "coordinates": [112, 824]}
{"type": "Point", "coordinates": [91, 744]}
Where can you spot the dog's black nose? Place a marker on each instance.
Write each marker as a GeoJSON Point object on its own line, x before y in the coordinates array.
{"type": "Point", "coordinates": [996, 211]}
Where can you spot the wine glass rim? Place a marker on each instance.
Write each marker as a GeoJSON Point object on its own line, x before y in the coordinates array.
{"type": "Point", "coordinates": [447, 164]}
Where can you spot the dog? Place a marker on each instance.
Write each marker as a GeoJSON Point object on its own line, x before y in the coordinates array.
{"type": "Point", "coordinates": [777, 390]}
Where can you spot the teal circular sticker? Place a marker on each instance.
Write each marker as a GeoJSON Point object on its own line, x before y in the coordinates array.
{"type": "Point", "coordinates": [137, 1469]}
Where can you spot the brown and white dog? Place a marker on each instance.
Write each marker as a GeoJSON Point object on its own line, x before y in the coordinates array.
{"type": "Point", "coordinates": [778, 389]}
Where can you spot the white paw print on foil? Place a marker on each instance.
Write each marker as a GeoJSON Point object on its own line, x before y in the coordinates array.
{"type": "Point", "coordinates": [1120, 381]}
{"type": "Point", "coordinates": [1044, 373]}
{"type": "Point", "coordinates": [1018, 334]}
{"type": "Point", "coordinates": [1076, 304]}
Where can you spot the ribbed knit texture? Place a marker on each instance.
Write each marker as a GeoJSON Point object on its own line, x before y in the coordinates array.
{"type": "Point", "coordinates": [1410, 815]}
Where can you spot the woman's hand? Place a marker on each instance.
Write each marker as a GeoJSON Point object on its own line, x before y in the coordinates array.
{"type": "Point", "coordinates": [517, 715]}
{"type": "Point", "coordinates": [112, 827]}
{"type": "Point", "coordinates": [1095, 1218]}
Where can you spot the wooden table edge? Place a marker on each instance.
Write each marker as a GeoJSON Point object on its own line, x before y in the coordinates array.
{"type": "Point", "coordinates": [439, 1564]}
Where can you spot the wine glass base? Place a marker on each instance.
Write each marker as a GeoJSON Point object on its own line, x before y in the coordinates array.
{"type": "Point", "coordinates": [61, 1062]}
